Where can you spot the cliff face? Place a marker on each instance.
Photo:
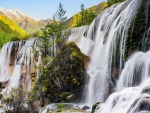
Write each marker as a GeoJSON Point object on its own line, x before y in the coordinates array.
{"type": "Point", "coordinates": [64, 79]}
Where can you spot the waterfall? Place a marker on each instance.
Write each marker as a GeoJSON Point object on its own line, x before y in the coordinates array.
{"type": "Point", "coordinates": [146, 41]}
{"type": "Point", "coordinates": [123, 84]}
{"type": "Point", "coordinates": [5, 59]}
{"type": "Point", "coordinates": [104, 41]}
{"type": "Point", "coordinates": [17, 62]}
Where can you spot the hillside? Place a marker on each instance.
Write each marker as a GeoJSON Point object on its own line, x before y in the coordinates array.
{"type": "Point", "coordinates": [111, 2]}
{"type": "Point", "coordinates": [10, 31]}
{"type": "Point", "coordinates": [27, 23]}
{"type": "Point", "coordinates": [97, 9]}
{"type": "Point", "coordinates": [94, 10]}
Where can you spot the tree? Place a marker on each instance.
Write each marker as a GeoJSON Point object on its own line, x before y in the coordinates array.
{"type": "Point", "coordinates": [76, 22]}
{"type": "Point", "coordinates": [52, 33]}
{"type": "Point", "coordinates": [85, 17]}
{"type": "Point", "coordinates": [53, 29]}
{"type": "Point", "coordinates": [91, 16]}
{"type": "Point", "coordinates": [82, 13]}
{"type": "Point", "coordinates": [61, 18]}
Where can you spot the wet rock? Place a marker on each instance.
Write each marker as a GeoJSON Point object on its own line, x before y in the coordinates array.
{"type": "Point", "coordinates": [85, 107]}
{"type": "Point", "coordinates": [3, 84]}
{"type": "Point", "coordinates": [141, 105]}
{"type": "Point", "coordinates": [62, 107]}
{"type": "Point", "coordinates": [115, 72]}
{"type": "Point", "coordinates": [112, 84]}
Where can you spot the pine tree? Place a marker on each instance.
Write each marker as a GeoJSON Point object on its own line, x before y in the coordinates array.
{"type": "Point", "coordinates": [61, 18]}
{"type": "Point", "coordinates": [82, 13]}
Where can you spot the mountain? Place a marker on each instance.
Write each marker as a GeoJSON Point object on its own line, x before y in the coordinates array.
{"type": "Point", "coordinates": [27, 23]}
{"type": "Point", "coordinates": [9, 31]}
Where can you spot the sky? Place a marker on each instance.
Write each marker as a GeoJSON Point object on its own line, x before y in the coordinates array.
{"type": "Point", "coordinates": [43, 9]}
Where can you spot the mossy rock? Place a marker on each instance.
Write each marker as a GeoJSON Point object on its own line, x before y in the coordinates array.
{"type": "Point", "coordinates": [94, 107]}
{"type": "Point", "coordinates": [146, 90]}
{"type": "Point", "coordinates": [64, 76]}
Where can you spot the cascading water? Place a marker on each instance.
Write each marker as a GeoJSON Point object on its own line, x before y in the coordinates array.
{"type": "Point", "coordinates": [137, 65]}
{"type": "Point", "coordinates": [5, 59]}
{"type": "Point", "coordinates": [108, 34]}
{"type": "Point", "coordinates": [17, 61]}
{"type": "Point", "coordinates": [129, 100]}
{"type": "Point", "coordinates": [132, 99]}
{"type": "Point", "coordinates": [105, 42]}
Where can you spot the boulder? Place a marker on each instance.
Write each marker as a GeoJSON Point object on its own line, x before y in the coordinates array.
{"type": "Point", "coordinates": [64, 78]}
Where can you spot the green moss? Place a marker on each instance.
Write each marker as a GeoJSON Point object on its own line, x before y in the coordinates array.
{"type": "Point", "coordinates": [61, 105]}
{"type": "Point", "coordinates": [65, 93]}
{"type": "Point", "coordinates": [74, 81]}
{"type": "Point", "coordinates": [94, 107]}
{"type": "Point", "coordinates": [75, 52]}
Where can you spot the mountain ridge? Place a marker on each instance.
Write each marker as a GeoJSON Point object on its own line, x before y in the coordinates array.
{"type": "Point", "coordinates": [10, 31]}
{"type": "Point", "coordinates": [27, 23]}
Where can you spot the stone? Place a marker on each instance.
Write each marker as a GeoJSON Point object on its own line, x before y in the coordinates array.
{"type": "Point", "coordinates": [85, 107]}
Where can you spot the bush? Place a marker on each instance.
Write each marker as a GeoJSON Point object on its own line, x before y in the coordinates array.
{"type": "Point", "coordinates": [16, 100]}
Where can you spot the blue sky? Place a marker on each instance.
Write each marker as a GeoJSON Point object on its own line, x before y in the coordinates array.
{"type": "Point", "coordinates": [43, 9]}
